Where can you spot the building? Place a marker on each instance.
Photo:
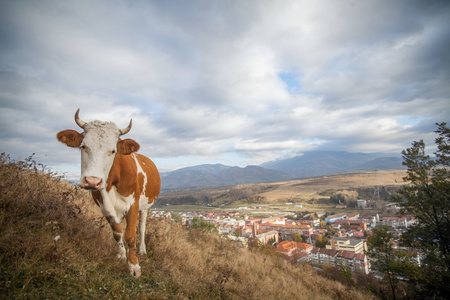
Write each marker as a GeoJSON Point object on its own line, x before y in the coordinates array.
{"type": "Point", "coordinates": [287, 230]}
{"type": "Point", "coordinates": [294, 250]}
{"type": "Point", "coordinates": [353, 216]}
{"type": "Point", "coordinates": [351, 245]}
{"type": "Point", "coordinates": [361, 203]}
{"type": "Point", "coordinates": [334, 218]}
{"type": "Point", "coordinates": [353, 224]}
{"type": "Point", "coordinates": [356, 261]}
{"type": "Point", "coordinates": [267, 237]}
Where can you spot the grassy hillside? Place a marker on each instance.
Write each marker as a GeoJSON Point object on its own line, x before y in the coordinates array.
{"type": "Point", "coordinates": [55, 244]}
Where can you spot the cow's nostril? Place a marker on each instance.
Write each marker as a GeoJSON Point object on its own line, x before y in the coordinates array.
{"type": "Point", "coordinates": [92, 182]}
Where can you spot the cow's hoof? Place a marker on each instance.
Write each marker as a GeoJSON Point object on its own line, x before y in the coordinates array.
{"type": "Point", "coordinates": [142, 252]}
{"type": "Point", "coordinates": [136, 273]}
{"type": "Point", "coordinates": [135, 270]}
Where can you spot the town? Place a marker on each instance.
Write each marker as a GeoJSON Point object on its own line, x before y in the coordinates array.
{"type": "Point", "coordinates": [311, 237]}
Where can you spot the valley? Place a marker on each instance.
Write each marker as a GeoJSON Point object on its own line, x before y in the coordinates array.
{"type": "Point", "coordinates": [311, 194]}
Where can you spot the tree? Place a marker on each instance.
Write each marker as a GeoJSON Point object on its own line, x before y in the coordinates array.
{"type": "Point", "coordinates": [199, 223]}
{"type": "Point", "coordinates": [321, 241]}
{"type": "Point", "coordinates": [385, 259]}
{"type": "Point", "coordinates": [297, 237]}
{"type": "Point", "coordinates": [427, 198]}
{"type": "Point", "coordinates": [322, 224]}
{"type": "Point", "coordinates": [177, 218]}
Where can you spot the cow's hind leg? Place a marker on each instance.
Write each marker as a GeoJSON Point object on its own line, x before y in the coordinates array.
{"type": "Point", "coordinates": [142, 227]}
{"type": "Point", "coordinates": [130, 239]}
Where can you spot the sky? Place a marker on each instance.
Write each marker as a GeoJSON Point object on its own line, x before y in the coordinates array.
{"type": "Point", "coordinates": [227, 81]}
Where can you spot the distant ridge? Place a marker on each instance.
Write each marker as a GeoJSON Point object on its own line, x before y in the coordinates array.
{"type": "Point", "coordinates": [313, 163]}
{"type": "Point", "coordinates": [317, 163]}
{"type": "Point", "coordinates": [210, 175]}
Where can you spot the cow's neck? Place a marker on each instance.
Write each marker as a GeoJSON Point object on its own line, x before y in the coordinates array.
{"type": "Point", "coordinates": [118, 194]}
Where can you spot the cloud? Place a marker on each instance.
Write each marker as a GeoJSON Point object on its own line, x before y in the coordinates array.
{"type": "Point", "coordinates": [225, 81]}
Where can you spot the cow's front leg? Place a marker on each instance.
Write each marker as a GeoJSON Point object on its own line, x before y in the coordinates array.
{"type": "Point", "coordinates": [118, 236]}
{"type": "Point", "coordinates": [130, 239]}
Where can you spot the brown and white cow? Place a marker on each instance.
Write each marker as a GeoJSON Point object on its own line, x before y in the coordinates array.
{"type": "Point", "coordinates": [124, 184]}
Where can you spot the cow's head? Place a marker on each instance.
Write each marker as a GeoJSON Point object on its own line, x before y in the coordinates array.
{"type": "Point", "coordinates": [99, 143]}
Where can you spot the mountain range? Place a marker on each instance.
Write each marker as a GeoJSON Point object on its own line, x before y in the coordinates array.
{"type": "Point", "coordinates": [309, 164]}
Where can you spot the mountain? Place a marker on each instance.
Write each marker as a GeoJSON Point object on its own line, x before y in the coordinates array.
{"type": "Point", "coordinates": [209, 175]}
{"type": "Point", "coordinates": [317, 163]}
{"type": "Point", "coordinates": [381, 163]}
{"type": "Point", "coordinates": [313, 163]}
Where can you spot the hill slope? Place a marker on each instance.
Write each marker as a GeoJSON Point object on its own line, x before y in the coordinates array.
{"type": "Point", "coordinates": [54, 244]}
{"type": "Point", "coordinates": [204, 176]}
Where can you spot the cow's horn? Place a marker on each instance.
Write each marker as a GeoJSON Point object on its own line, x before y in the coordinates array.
{"type": "Point", "coordinates": [79, 122]}
{"type": "Point", "coordinates": [125, 130]}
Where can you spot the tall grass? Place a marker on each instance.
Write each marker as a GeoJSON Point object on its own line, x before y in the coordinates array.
{"type": "Point", "coordinates": [55, 244]}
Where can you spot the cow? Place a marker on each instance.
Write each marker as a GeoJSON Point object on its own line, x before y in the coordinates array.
{"type": "Point", "coordinates": [123, 183]}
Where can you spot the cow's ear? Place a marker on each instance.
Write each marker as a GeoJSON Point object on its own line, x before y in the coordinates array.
{"type": "Point", "coordinates": [127, 146]}
{"type": "Point", "coordinates": [70, 137]}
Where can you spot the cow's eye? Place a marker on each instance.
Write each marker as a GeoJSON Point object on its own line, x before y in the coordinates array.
{"type": "Point", "coordinates": [114, 151]}
{"type": "Point", "coordinates": [83, 147]}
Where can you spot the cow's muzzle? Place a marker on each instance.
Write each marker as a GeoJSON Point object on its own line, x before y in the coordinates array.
{"type": "Point", "coordinates": [91, 183]}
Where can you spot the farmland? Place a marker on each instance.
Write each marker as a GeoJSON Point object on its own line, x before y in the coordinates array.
{"type": "Point", "coordinates": [311, 193]}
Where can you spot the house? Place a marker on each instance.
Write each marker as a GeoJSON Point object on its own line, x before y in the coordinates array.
{"type": "Point", "coordinates": [366, 204]}
{"type": "Point", "coordinates": [320, 214]}
{"type": "Point", "coordinates": [362, 263]}
{"type": "Point", "coordinates": [246, 231]}
{"type": "Point", "coordinates": [334, 218]}
{"type": "Point", "coordinates": [290, 247]}
{"type": "Point", "coordinates": [361, 203]}
{"type": "Point", "coordinates": [311, 219]}
{"type": "Point", "coordinates": [395, 221]}
{"type": "Point", "coordinates": [356, 261]}
{"type": "Point", "coordinates": [267, 237]}
{"type": "Point", "coordinates": [302, 257]}
{"type": "Point", "coordinates": [287, 230]}
{"type": "Point", "coordinates": [352, 245]}
{"type": "Point", "coordinates": [353, 224]}
{"type": "Point", "coordinates": [353, 216]}
{"type": "Point", "coordinates": [359, 235]}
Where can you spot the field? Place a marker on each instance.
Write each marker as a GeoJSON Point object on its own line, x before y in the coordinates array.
{"type": "Point", "coordinates": [54, 244]}
{"type": "Point", "coordinates": [312, 193]}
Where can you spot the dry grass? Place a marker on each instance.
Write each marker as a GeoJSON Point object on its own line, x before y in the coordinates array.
{"type": "Point", "coordinates": [310, 188]}
{"type": "Point", "coordinates": [36, 209]}
{"type": "Point", "coordinates": [202, 266]}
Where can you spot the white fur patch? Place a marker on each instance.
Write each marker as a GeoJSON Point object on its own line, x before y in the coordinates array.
{"type": "Point", "coordinates": [143, 200]}
{"type": "Point", "coordinates": [135, 270]}
{"type": "Point", "coordinates": [142, 225]}
{"type": "Point", "coordinates": [121, 251]}
{"type": "Point", "coordinates": [100, 140]}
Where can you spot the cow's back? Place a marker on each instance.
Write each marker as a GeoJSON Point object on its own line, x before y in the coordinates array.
{"type": "Point", "coordinates": [151, 180]}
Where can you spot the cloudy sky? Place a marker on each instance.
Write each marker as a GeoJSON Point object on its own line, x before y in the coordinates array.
{"type": "Point", "coordinates": [231, 82]}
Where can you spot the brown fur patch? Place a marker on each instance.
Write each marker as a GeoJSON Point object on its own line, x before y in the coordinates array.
{"type": "Point", "coordinates": [70, 137]}
{"type": "Point", "coordinates": [127, 146]}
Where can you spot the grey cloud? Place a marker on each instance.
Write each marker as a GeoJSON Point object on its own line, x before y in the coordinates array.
{"type": "Point", "coordinates": [201, 79]}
